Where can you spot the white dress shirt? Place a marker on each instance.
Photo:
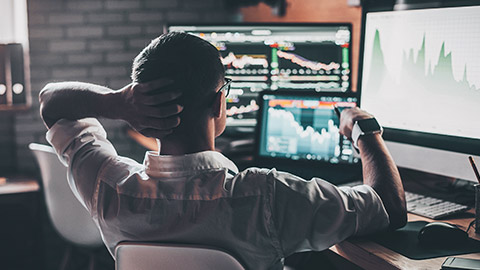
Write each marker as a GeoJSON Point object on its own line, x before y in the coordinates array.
{"type": "Point", "coordinates": [258, 215]}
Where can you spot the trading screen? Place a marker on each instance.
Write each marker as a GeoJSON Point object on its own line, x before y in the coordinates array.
{"type": "Point", "coordinates": [257, 58]}
{"type": "Point", "coordinates": [304, 128]}
{"type": "Point", "coordinates": [421, 70]}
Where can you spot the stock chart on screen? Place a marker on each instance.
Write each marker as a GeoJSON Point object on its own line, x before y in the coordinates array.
{"type": "Point", "coordinates": [421, 70]}
{"type": "Point", "coordinates": [304, 127]}
{"type": "Point", "coordinates": [312, 57]}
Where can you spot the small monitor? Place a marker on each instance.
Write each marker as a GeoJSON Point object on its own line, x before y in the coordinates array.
{"type": "Point", "coordinates": [300, 127]}
{"type": "Point", "coordinates": [258, 57]}
{"type": "Point", "coordinates": [421, 79]}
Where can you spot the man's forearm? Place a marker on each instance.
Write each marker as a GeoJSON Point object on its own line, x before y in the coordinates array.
{"type": "Point", "coordinates": [380, 172]}
{"type": "Point", "coordinates": [76, 100]}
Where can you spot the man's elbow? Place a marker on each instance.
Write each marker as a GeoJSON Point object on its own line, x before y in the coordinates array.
{"type": "Point", "coordinates": [398, 216]}
{"type": "Point", "coordinates": [44, 98]}
{"type": "Point", "coordinates": [45, 92]}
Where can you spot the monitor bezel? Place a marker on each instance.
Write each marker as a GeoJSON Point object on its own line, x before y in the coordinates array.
{"type": "Point", "coordinates": [431, 140]}
{"type": "Point", "coordinates": [260, 159]}
{"type": "Point", "coordinates": [275, 24]}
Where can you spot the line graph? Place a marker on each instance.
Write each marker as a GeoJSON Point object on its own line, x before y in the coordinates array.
{"type": "Point", "coordinates": [251, 107]}
{"type": "Point", "coordinates": [286, 135]}
{"type": "Point", "coordinates": [318, 67]}
{"type": "Point", "coordinates": [303, 62]}
{"type": "Point", "coordinates": [320, 86]}
{"type": "Point", "coordinates": [427, 61]}
{"type": "Point", "coordinates": [245, 60]}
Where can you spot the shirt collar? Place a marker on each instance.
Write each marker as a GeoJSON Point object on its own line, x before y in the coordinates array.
{"type": "Point", "coordinates": [165, 165]}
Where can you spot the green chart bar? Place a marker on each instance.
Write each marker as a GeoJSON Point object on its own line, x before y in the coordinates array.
{"type": "Point", "coordinates": [274, 59]}
{"type": "Point", "coordinates": [345, 58]}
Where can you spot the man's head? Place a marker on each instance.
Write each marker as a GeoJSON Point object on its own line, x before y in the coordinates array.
{"type": "Point", "coordinates": [196, 69]}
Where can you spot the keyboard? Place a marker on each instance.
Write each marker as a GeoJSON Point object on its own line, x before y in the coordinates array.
{"type": "Point", "coordinates": [426, 206]}
{"type": "Point", "coordinates": [432, 207]}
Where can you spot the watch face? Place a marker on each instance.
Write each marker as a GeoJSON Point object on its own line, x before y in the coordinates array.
{"type": "Point", "coordinates": [369, 125]}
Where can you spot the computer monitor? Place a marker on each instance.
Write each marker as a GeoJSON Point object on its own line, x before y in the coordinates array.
{"type": "Point", "coordinates": [258, 57]}
{"type": "Point", "coordinates": [298, 127]}
{"type": "Point", "coordinates": [420, 76]}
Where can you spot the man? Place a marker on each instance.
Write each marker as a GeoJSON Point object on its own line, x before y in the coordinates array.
{"type": "Point", "coordinates": [192, 194]}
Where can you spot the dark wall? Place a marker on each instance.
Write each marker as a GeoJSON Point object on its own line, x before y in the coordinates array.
{"type": "Point", "coordinates": [93, 41]}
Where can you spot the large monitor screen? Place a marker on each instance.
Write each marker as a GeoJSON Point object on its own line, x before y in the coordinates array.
{"type": "Point", "coordinates": [421, 79]}
{"type": "Point", "coordinates": [303, 127]}
{"type": "Point", "coordinates": [313, 57]}
{"type": "Point", "coordinates": [421, 70]}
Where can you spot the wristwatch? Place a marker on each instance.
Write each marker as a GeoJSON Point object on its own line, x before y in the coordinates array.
{"type": "Point", "coordinates": [365, 127]}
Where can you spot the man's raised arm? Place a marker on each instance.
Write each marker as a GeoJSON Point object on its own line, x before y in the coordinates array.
{"type": "Point", "coordinates": [147, 107]}
{"type": "Point", "coordinates": [379, 169]}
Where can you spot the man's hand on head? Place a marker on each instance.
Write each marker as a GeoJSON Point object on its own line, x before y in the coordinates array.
{"type": "Point", "coordinates": [150, 108]}
{"type": "Point", "coordinates": [348, 118]}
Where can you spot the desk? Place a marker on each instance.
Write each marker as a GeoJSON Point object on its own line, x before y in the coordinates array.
{"type": "Point", "coordinates": [370, 255]}
{"type": "Point", "coordinates": [21, 227]}
{"type": "Point", "coordinates": [18, 185]}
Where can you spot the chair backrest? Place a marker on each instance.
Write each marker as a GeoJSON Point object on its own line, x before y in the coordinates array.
{"type": "Point", "coordinates": [71, 220]}
{"type": "Point", "coordinates": [151, 256]}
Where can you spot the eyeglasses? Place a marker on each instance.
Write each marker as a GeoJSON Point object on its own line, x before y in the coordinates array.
{"type": "Point", "coordinates": [226, 86]}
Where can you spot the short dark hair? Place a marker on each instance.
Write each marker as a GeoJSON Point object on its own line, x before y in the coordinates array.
{"type": "Point", "coordinates": [193, 63]}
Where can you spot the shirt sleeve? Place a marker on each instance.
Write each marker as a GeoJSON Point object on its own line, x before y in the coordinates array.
{"type": "Point", "coordinates": [315, 214]}
{"type": "Point", "coordinates": [81, 145]}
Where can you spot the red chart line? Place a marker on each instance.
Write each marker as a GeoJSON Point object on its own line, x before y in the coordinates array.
{"type": "Point", "coordinates": [313, 65]}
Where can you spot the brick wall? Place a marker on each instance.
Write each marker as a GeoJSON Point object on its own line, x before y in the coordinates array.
{"type": "Point", "coordinates": [96, 41]}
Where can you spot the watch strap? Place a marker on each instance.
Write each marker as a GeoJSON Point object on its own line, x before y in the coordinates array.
{"type": "Point", "coordinates": [357, 131]}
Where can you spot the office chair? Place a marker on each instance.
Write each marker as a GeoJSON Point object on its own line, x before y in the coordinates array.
{"type": "Point", "coordinates": [69, 218]}
{"type": "Point", "coordinates": [152, 256]}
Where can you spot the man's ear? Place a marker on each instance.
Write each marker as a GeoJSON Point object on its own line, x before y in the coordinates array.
{"type": "Point", "coordinates": [217, 105]}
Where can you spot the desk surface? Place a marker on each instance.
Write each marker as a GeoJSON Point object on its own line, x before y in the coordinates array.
{"type": "Point", "coordinates": [18, 185]}
{"type": "Point", "coordinates": [370, 255]}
